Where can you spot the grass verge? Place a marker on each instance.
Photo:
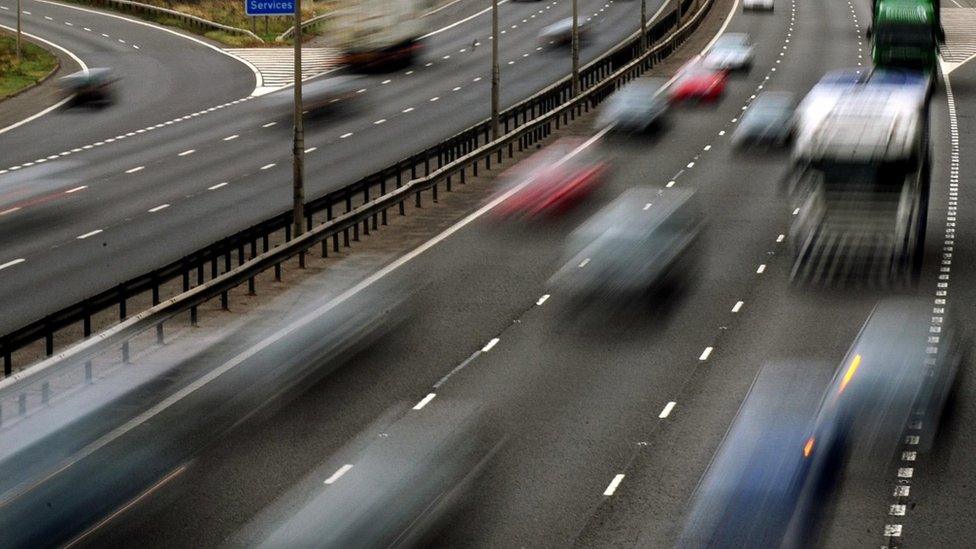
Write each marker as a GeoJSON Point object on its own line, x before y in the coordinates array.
{"type": "Point", "coordinates": [225, 12]}
{"type": "Point", "coordinates": [16, 75]}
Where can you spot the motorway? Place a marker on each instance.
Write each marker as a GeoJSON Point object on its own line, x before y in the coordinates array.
{"type": "Point", "coordinates": [581, 397]}
{"type": "Point", "coordinates": [165, 182]}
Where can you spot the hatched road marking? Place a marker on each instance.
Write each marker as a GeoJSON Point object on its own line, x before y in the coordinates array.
{"type": "Point", "coordinates": [277, 65]}
{"type": "Point", "coordinates": [960, 31]}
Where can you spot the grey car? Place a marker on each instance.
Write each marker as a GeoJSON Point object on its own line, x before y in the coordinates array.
{"type": "Point", "coordinates": [637, 107]}
{"type": "Point", "coordinates": [635, 247]}
{"type": "Point", "coordinates": [768, 120]}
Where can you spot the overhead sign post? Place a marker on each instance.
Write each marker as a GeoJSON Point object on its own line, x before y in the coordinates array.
{"type": "Point", "coordinates": [269, 7]}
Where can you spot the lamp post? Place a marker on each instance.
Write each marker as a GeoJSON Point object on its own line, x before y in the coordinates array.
{"type": "Point", "coordinates": [298, 163]}
{"type": "Point", "coordinates": [643, 29]}
{"type": "Point", "coordinates": [18, 30]}
{"type": "Point", "coordinates": [495, 71]}
{"type": "Point", "coordinates": [576, 82]}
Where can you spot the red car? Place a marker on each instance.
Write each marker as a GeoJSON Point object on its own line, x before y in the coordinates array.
{"type": "Point", "coordinates": [698, 83]}
{"type": "Point", "coordinates": [551, 181]}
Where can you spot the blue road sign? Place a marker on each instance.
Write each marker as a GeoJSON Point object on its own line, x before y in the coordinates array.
{"type": "Point", "coordinates": [269, 7]}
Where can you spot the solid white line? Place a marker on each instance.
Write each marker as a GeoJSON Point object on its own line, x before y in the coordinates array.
{"type": "Point", "coordinates": [738, 305]}
{"type": "Point", "coordinates": [76, 189]}
{"type": "Point", "coordinates": [302, 321]}
{"type": "Point", "coordinates": [462, 21]}
{"type": "Point", "coordinates": [425, 401]}
{"type": "Point", "coordinates": [12, 263]}
{"type": "Point", "coordinates": [613, 485]}
{"type": "Point", "coordinates": [217, 186]}
{"type": "Point", "coordinates": [257, 74]}
{"type": "Point", "coordinates": [86, 235]}
{"type": "Point", "coordinates": [542, 299]}
{"type": "Point", "coordinates": [157, 208]}
{"type": "Point", "coordinates": [725, 25]}
{"type": "Point", "coordinates": [338, 474]}
{"type": "Point", "coordinates": [705, 354]}
{"type": "Point", "coordinates": [489, 345]}
{"type": "Point", "coordinates": [667, 410]}
{"type": "Point", "coordinates": [134, 170]}
{"type": "Point", "coordinates": [59, 103]}
{"type": "Point", "coordinates": [268, 166]}
{"type": "Point", "coordinates": [184, 153]}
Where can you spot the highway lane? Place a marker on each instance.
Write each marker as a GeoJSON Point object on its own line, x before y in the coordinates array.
{"type": "Point", "coordinates": [163, 75]}
{"type": "Point", "coordinates": [940, 480]}
{"type": "Point", "coordinates": [580, 398]}
{"type": "Point", "coordinates": [440, 99]}
{"type": "Point", "coordinates": [582, 418]}
{"type": "Point", "coordinates": [575, 415]}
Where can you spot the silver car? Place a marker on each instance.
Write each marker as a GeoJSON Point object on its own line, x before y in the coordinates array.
{"type": "Point", "coordinates": [732, 52]}
{"type": "Point", "coordinates": [768, 120]}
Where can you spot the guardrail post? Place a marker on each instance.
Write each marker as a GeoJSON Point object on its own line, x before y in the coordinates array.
{"type": "Point", "coordinates": [434, 193]}
{"type": "Point", "coordinates": [288, 232]}
{"type": "Point", "coordinates": [227, 259]}
{"type": "Point", "coordinates": [301, 259]}
{"type": "Point", "coordinates": [277, 272]}
{"type": "Point", "coordinates": [213, 267]}
{"type": "Point", "coordinates": [8, 362]}
{"type": "Point", "coordinates": [264, 243]}
{"type": "Point", "coordinates": [223, 301]}
{"type": "Point", "coordinates": [193, 315]}
{"type": "Point", "coordinates": [186, 277]}
{"type": "Point", "coordinates": [200, 272]}
{"type": "Point", "coordinates": [240, 254]}
{"type": "Point", "coordinates": [49, 342]}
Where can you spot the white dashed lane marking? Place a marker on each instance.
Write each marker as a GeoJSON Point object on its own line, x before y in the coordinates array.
{"type": "Point", "coordinates": [338, 474]}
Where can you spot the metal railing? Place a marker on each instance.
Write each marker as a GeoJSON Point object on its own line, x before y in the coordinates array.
{"type": "Point", "coordinates": [187, 19]}
{"type": "Point", "coordinates": [443, 165]}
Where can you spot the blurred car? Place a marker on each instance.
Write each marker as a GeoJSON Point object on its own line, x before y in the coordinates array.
{"type": "Point", "coordinates": [768, 120]}
{"type": "Point", "coordinates": [552, 180]}
{"type": "Point", "coordinates": [318, 94]}
{"type": "Point", "coordinates": [757, 5]}
{"type": "Point", "coordinates": [94, 85]}
{"type": "Point", "coordinates": [640, 243]}
{"type": "Point", "coordinates": [560, 33]}
{"type": "Point", "coordinates": [406, 483]}
{"type": "Point", "coordinates": [767, 482]}
{"type": "Point", "coordinates": [638, 107]}
{"type": "Point", "coordinates": [696, 82]}
{"type": "Point", "coordinates": [895, 370]}
{"type": "Point", "coordinates": [731, 52]}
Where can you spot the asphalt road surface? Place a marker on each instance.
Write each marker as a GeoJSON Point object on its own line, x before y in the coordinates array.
{"type": "Point", "coordinates": [156, 196]}
{"type": "Point", "coordinates": [581, 397]}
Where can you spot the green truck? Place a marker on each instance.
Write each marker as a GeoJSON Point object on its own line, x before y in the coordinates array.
{"type": "Point", "coordinates": [906, 33]}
